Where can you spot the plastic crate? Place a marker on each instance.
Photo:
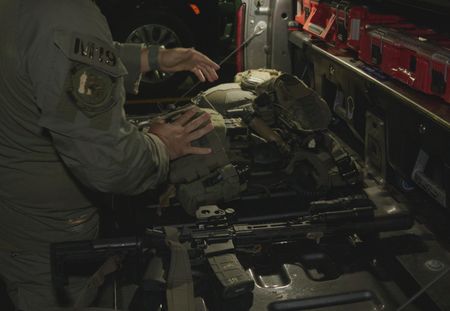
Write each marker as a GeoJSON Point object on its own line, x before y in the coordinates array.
{"type": "Point", "coordinates": [305, 7]}
{"type": "Point", "coordinates": [321, 20]}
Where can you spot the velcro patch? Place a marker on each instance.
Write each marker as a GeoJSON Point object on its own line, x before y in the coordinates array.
{"type": "Point", "coordinates": [91, 51]}
{"type": "Point", "coordinates": [91, 90]}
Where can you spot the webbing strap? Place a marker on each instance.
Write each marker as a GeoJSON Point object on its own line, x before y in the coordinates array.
{"type": "Point", "coordinates": [180, 286]}
{"type": "Point", "coordinates": [90, 290]}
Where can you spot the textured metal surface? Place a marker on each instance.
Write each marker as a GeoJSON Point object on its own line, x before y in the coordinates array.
{"type": "Point", "coordinates": [269, 50]}
{"type": "Point", "coordinates": [281, 13]}
{"type": "Point", "coordinates": [426, 264]}
{"type": "Point", "coordinates": [255, 53]}
{"type": "Point", "coordinates": [292, 282]}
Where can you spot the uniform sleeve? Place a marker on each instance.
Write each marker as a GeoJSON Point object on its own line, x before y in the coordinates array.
{"type": "Point", "coordinates": [78, 79]}
{"type": "Point", "coordinates": [130, 54]}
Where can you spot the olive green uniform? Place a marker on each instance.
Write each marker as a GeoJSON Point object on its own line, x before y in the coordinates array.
{"type": "Point", "coordinates": [63, 133]}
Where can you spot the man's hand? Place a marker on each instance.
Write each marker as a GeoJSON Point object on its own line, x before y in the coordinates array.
{"type": "Point", "coordinates": [178, 135]}
{"type": "Point", "coordinates": [182, 59]}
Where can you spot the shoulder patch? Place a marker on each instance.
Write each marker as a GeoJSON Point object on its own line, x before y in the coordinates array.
{"type": "Point", "coordinates": [91, 90]}
{"type": "Point", "coordinates": [91, 51]}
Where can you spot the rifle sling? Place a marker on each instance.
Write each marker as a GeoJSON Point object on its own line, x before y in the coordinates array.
{"type": "Point", "coordinates": [89, 292]}
{"type": "Point", "coordinates": [180, 286]}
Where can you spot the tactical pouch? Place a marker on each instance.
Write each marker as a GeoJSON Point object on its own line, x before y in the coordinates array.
{"type": "Point", "coordinates": [251, 79]}
{"type": "Point", "coordinates": [206, 179]}
{"type": "Point", "coordinates": [296, 104]}
{"type": "Point", "coordinates": [191, 167]}
{"type": "Point", "coordinates": [222, 184]}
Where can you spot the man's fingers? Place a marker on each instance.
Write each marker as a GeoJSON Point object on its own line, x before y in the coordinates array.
{"type": "Point", "coordinates": [200, 132]}
{"type": "Point", "coordinates": [197, 122]}
{"type": "Point", "coordinates": [198, 150]}
{"type": "Point", "coordinates": [210, 74]}
{"type": "Point", "coordinates": [204, 60]}
{"type": "Point", "coordinates": [209, 63]}
{"type": "Point", "coordinates": [185, 117]}
{"type": "Point", "coordinates": [180, 59]}
{"type": "Point", "coordinates": [204, 68]}
{"type": "Point", "coordinates": [197, 71]}
{"type": "Point", "coordinates": [155, 124]}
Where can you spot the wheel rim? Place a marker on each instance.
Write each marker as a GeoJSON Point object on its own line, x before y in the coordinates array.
{"type": "Point", "coordinates": [155, 34]}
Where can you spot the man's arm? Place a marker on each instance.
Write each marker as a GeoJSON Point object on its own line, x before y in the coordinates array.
{"type": "Point", "coordinates": [131, 56]}
{"type": "Point", "coordinates": [78, 80]}
{"type": "Point", "coordinates": [139, 59]}
{"type": "Point", "coordinates": [179, 59]}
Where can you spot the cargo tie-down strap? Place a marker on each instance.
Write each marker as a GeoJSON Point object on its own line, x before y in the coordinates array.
{"type": "Point", "coordinates": [89, 293]}
{"type": "Point", "coordinates": [180, 286]}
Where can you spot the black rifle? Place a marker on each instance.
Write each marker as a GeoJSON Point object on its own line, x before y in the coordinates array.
{"type": "Point", "coordinates": [213, 238]}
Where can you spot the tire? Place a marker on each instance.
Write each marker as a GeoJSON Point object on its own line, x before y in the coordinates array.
{"type": "Point", "coordinates": [162, 29]}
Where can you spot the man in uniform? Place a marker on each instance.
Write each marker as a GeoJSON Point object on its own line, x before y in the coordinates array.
{"type": "Point", "coordinates": [63, 132]}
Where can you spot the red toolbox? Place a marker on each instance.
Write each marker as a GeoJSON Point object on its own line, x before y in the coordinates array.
{"type": "Point", "coordinates": [424, 33]}
{"type": "Point", "coordinates": [440, 73]}
{"type": "Point", "coordinates": [365, 40]}
{"type": "Point", "coordinates": [415, 56]}
{"type": "Point", "coordinates": [439, 40]}
{"type": "Point", "coordinates": [413, 60]}
{"type": "Point", "coordinates": [360, 17]}
{"type": "Point", "coordinates": [398, 55]}
{"type": "Point", "coordinates": [329, 21]}
{"type": "Point", "coordinates": [342, 22]}
{"type": "Point", "coordinates": [341, 29]}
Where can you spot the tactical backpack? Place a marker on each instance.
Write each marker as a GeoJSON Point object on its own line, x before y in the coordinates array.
{"type": "Point", "coordinates": [266, 121]}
